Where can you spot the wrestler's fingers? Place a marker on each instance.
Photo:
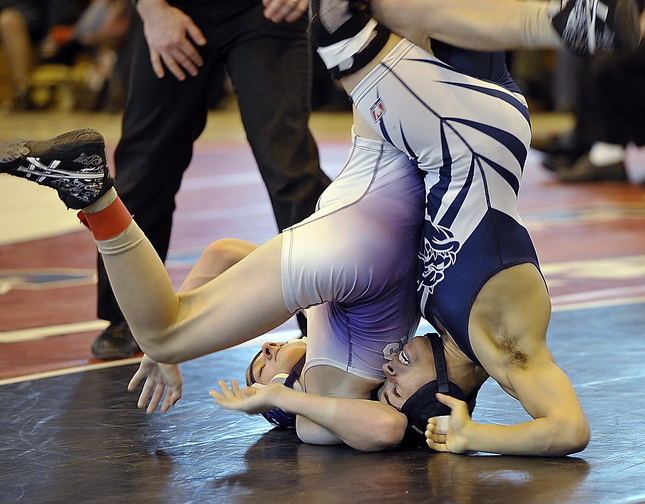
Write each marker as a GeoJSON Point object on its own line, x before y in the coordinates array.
{"type": "Point", "coordinates": [235, 388]}
{"type": "Point", "coordinates": [220, 399]}
{"type": "Point", "coordinates": [249, 391]}
{"type": "Point", "coordinates": [226, 392]}
{"type": "Point", "coordinates": [215, 394]}
{"type": "Point", "coordinates": [439, 447]}
{"type": "Point", "coordinates": [436, 438]}
{"type": "Point", "coordinates": [146, 392]}
{"type": "Point", "coordinates": [439, 424]}
{"type": "Point", "coordinates": [172, 396]}
{"type": "Point", "coordinates": [136, 378]}
{"type": "Point", "coordinates": [156, 398]}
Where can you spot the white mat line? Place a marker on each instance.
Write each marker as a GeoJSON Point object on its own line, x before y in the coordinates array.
{"type": "Point", "coordinates": [598, 295]}
{"type": "Point", "coordinates": [272, 336]}
{"type": "Point", "coordinates": [71, 370]}
{"type": "Point", "coordinates": [587, 305]}
{"type": "Point", "coordinates": [630, 378]}
{"type": "Point", "coordinates": [36, 333]}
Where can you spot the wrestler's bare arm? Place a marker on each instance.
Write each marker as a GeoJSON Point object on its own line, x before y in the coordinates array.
{"type": "Point", "coordinates": [559, 426]}
{"type": "Point", "coordinates": [483, 25]}
{"type": "Point", "coordinates": [508, 334]}
{"type": "Point", "coordinates": [328, 381]}
{"type": "Point", "coordinates": [546, 393]}
{"type": "Point", "coordinates": [362, 424]}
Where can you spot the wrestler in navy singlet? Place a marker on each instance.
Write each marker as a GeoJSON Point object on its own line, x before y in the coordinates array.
{"type": "Point", "coordinates": [489, 66]}
{"type": "Point", "coordinates": [471, 137]}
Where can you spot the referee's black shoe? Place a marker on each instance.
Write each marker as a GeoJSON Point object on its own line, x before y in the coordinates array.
{"type": "Point", "coordinates": [116, 342]}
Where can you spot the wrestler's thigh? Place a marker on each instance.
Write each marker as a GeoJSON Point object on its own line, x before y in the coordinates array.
{"type": "Point", "coordinates": [243, 302]}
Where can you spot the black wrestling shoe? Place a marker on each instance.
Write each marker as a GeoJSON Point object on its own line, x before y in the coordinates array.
{"type": "Point", "coordinates": [598, 26]}
{"type": "Point", "coordinates": [116, 342]}
{"type": "Point", "coordinates": [72, 163]}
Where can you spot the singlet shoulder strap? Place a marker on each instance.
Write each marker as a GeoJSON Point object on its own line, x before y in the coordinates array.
{"type": "Point", "coordinates": [439, 362]}
{"type": "Point", "coordinates": [295, 373]}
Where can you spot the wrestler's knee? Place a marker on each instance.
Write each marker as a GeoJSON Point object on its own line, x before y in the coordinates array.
{"type": "Point", "coordinates": [227, 251]}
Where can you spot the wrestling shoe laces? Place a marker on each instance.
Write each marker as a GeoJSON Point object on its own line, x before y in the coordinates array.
{"type": "Point", "coordinates": [596, 27]}
{"type": "Point", "coordinates": [73, 163]}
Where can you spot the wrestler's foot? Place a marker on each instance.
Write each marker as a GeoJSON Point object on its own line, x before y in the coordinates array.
{"type": "Point", "coordinates": [596, 27]}
{"type": "Point", "coordinates": [72, 163]}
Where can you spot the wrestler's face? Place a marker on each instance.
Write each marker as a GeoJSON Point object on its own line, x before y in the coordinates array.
{"type": "Point", "coordinates": [407, 372]}
{"type": "Point", "coordinates": [275, 358]}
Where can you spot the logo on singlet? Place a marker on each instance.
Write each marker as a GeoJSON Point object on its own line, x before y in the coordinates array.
{"type": "Point", "coordinates": [377, 110]}
{"type": "Point", "coordinates": [391, 349]}
{"type": "Point", "coordinates": [438, 254]}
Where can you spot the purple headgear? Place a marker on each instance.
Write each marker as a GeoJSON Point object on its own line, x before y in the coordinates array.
{"type": "Point", "coordinates": [278, 417]}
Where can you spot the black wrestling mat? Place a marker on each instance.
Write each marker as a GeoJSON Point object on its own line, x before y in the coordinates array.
{"type": "Point", "coordinates": [80, 438]}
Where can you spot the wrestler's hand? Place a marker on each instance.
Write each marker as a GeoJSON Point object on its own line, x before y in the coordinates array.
{"type": "Point", "coordinates": [251, 400]}
{"type": "Point", "coordinates": [284, 10]}
{"type": "Point", "coordinates": [171, 35]}
{"type": "Point", "coordinates": [163, 381]}
{"type": "Point", "coordinates": [449, 438]}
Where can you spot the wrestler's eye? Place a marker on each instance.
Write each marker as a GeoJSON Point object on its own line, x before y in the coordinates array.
{"type": "Point", "coordinates": [396, 392]}
{"type": "Point", "coordinates": [260, 372]}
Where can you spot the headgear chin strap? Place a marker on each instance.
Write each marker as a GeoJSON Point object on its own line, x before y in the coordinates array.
{"type": "Point", "coordinates": [278, 417]}
{"type": "Point", "coordinates": [423, 404]}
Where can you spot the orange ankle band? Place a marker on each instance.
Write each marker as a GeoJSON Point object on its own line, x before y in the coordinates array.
{"type": "Point", "coordinates": [109, 222]}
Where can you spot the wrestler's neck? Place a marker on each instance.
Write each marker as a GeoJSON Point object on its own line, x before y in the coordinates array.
{"type": "Point", "coordinates": [461, 370]}
{"type": "Point", "coordinates": [334, 382]}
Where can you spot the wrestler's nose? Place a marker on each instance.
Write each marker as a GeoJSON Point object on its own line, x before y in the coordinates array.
{"type": "Point", "coordinates": [269, 349]}
{"type": "Point", "coordinates": [388, 369]}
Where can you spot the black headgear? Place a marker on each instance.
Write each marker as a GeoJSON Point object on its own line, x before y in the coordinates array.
{"type": "Point", "coordinates": [423, 404]}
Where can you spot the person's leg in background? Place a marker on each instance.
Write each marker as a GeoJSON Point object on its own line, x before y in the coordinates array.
{"type": "Point", "coordinates": [16, 41]}
{"type": "Point", "coordinates": [617, 118]}
{"type": "Point", "coordinates": [162, 119]}
{"type": "Point", "coordinates": [270, 68]}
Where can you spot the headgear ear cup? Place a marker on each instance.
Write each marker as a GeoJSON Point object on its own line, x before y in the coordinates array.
{"type": "Point", "coordinates": [278, 417]}
{"type": "Point", "coordinates": [283, 378]}
{"type": "Point", "coordinates": [423, 404]}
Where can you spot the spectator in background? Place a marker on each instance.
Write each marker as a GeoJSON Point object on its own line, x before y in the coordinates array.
{"type": "Point", "coordinates": [29, 30]}
{"type": "Point", "coordinates": [610, 114]}
{"type": "Point", "coordinates": [106, 31]}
